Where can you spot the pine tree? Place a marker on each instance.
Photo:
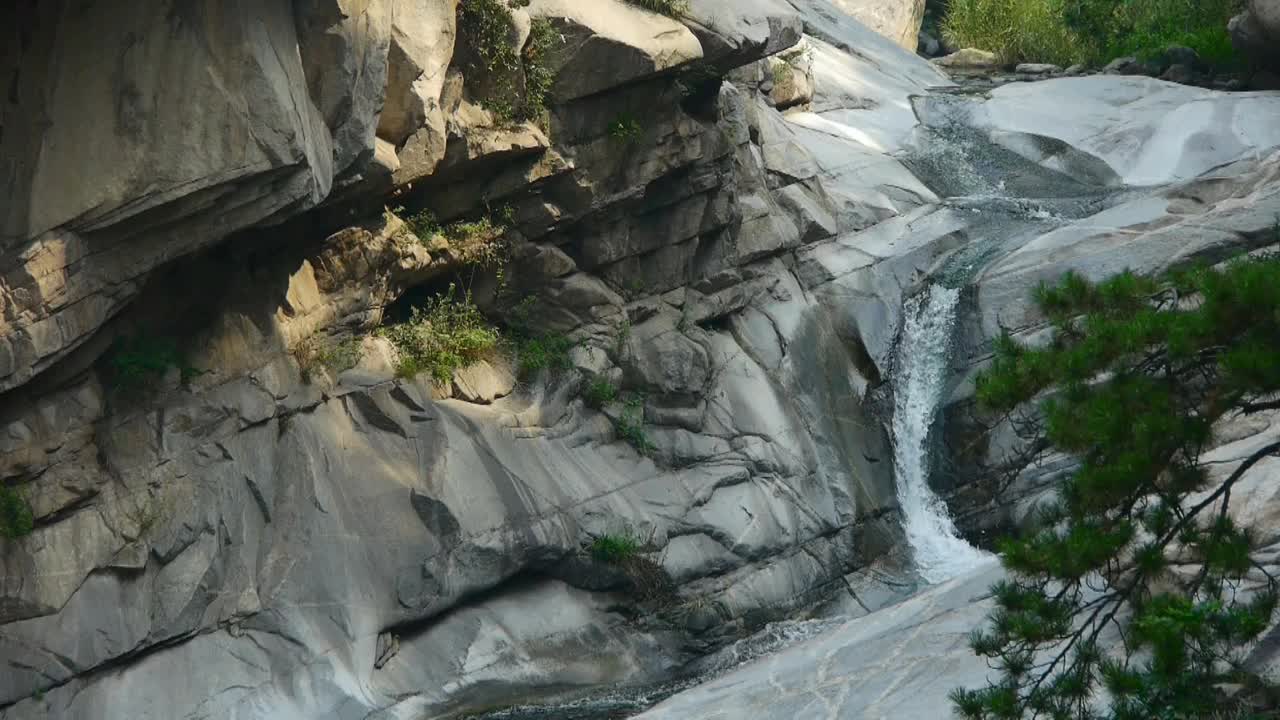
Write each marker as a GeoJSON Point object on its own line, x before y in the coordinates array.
{"type": "Point", "coordinates": [1138, 595]}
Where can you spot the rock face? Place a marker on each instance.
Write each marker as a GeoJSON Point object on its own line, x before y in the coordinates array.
{"type": "Point", "coordinates": [280, 521]}
{"type": "Point", "coordinates": [1097, 201]}
{"type": "Point", "coordinates": [280, 527]}
{"type": "Point", "coordinates": [898, 20]}
{"type": "Point", "coordinates": [1256, 31]}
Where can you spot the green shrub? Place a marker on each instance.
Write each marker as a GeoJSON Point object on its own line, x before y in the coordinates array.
{"type": "Point", "coordinates": [476, 242]}
{"type": "Point", "coordinates": [599, 393]}
{"type": "Point", "coordinates": [311, 355]}
{"type": "Point", "coordinates": [1016, 30]}
{"type": "Point", "coordinates": [670, 8]}
{"type": "Point", "coordinates": [1091, 31]}
{"type": "Point", "coordinates": [538, 78]}
{"type": "Point", "coordinates": [445, 334]}
{"type": "Point", "coordinates": [16, 518]}
{"type": "Point", "coordinates": [488, 28]}
{"type": "Point", "coordinates": [136, 361]}
{"type": "Point", "coordinates": [545, 352]}
{"type": "Point", "coordinates": [625, 128]}
{"type": "Point", "coordinates": [630, 425]}
{"type": "Point", "coordinates": [614, 549]}
{"type": "Point", "coordinates": [1146, 27]}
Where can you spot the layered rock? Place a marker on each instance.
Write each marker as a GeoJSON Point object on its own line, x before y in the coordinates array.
{"type": "Point", "coordinates": [264, 536]}
{"type": "Point", "coordinates": [897, 20]}
{"type": "Point", "coordinates": [281, 525]}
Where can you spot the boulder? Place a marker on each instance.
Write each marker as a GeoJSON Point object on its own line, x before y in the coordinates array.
{"type": "Point", "coordinates": [1179, 73]}
{"type": "Point", "coordinates": [483, 382]}
{"type": "Point", "coordinates": [1130, 66]}
{"type": "Point", "coordinates": [214, 118]}
{"type": "Point", "coordinates": [1265, 80]}
{"type": "Point", "coordinates": [422, 38]}
{"type": "Point", "coordinates": [791, 73]}
{"type": "Point", "coordinates": [898, 20]}
{"type": "Point", "coordinates": [1037, 69]}
{"type": "Point", "coordinates": [969, 59]}
{"type": "Point", "coordinates": [1256, 33]}
{"type": "Point", "coordinates": [609, 43]}
{"type": "Point", "coordinates": [734, 34]}
{"type": "Point", "coordinates": [1181, 55]}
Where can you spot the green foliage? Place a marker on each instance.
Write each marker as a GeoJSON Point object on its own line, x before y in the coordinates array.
{"type": "Point", "coordinates": [489, 30]}
{"type": "Point", "coordinates": [630, 425]}
{"type": "Point", "coordinates": [599, 393]}
{"type": "Point", "coordinates": [534, 350]}
{"type": "Point", "coordinates": [311, 354]}
{"type": "Point", "coordinates": [625, 128]}
{"type": "Point", "coordinates": [538, 78]}
{"type": "Point", "coordinates": [446, 333]}
{"type": "Point", "coordinates": [1015, 30]}
{"type": "Point", "coordinates": [1091, 31]}
{"type": "Point", "coordinates": [544, 352]}
{"type": "Point", "coordinates": [670, 8]}
{"type": "Point", "coordinates": [614, 549]}
{"type": "Point", "coordinates": [16, 518]}
{"type": "Point", "coordinates": [1146, 27]}
{"type": "Point", "coordinates": [137, 361]}
{"type": "Point", "coordinates": [475, 242]}
{"type": "Point", "coordinates": [1137, 373]}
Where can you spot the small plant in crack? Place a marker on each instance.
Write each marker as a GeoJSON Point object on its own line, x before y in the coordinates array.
{"type": "Point", "coordinates": [600, 393]}
{"type": "Point", "coordinates": [625, 128]}
{"type": "Point", "coordinates": [621, 336]}
{"type": "Point", "coordinates": [16, 518]}
{"type": "Point", "coordinates": [311, 354]}
{"type": "Point", "coordinates": [630, 425]}
{"type": "Point", "coordinates": [134, 362]}
{"type": "Point", "coordinates": [614, 549]}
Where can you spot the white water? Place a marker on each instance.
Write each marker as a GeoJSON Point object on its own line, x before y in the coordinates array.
{"type": "Point", "coordinates": [923, 354]}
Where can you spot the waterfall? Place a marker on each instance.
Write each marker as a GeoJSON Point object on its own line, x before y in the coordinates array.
{"type": "Point", "coordinates": [920, 371]}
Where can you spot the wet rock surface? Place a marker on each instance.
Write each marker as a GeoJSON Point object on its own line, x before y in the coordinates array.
{"type": "Point", "coordinates": [264, 536]}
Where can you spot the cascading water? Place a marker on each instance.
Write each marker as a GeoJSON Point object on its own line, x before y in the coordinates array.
{"type": "Point", "coordinates": [923, 352]}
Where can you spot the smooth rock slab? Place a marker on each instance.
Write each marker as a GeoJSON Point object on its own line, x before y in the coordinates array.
{"type": "Point", "coordinates": [895, 664]}
{"type": "Point", "coordinates": [1037, 68]}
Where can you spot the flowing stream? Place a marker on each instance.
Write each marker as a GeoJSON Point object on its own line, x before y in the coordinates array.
{"type": "Point", "coordinates": [924, 350]}
{"type": "Point", "coordinates": [940, 553]}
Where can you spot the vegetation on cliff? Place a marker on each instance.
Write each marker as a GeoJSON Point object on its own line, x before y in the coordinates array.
{"type": "Point", "coordinates": [1139, 552]}
{"type": "Point", "coordinates": [518, 78]}
{"type": "Point", "coordinates": [446, 333]}
{"type": "Point", "coordinates": [1091, 31]}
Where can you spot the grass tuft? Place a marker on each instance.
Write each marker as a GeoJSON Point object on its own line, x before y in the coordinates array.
{"type": "Point", "coordinates": [614, 549]}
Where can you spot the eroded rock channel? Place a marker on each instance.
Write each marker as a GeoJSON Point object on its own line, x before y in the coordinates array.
{"type": "Point", "coordinates": [718, 221]}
